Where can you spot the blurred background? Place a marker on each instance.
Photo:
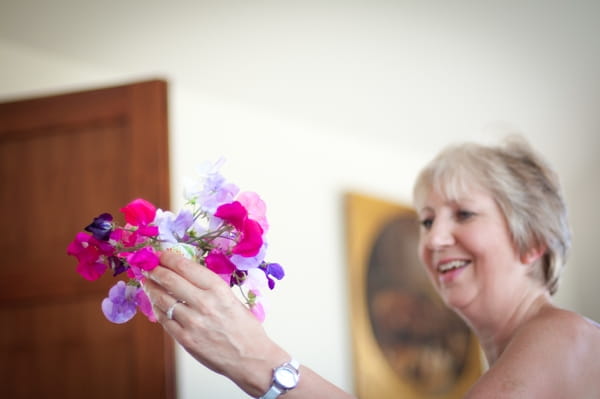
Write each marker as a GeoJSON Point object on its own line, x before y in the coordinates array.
{"type": "Point", "coordinates": [308, 100]}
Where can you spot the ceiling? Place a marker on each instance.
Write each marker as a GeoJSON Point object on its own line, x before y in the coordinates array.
{"type": "Point", "coordinates": [400, 72]}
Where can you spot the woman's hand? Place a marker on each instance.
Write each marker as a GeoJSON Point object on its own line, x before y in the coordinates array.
{"type": "Point", "coordinates": [212, 324]}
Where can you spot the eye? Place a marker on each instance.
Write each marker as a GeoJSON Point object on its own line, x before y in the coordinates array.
{"type": "Point", "coordinates": [464, 215]}
{"type": "Point", "coordinates": [427, 223]}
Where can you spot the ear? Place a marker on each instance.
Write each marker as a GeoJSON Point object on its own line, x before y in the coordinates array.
{"type": "Point", "coordinates": [532, 255]}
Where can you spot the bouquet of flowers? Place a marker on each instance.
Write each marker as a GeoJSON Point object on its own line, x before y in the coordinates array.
{"type": "Point", "coordinates": [220, 227]}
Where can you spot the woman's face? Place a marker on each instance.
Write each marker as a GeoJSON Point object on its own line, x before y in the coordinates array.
{"type": "Point", "coordinates": [466, 247]}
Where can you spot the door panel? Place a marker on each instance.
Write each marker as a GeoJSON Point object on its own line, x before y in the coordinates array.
{"type": "Point", "coordinates": [64, 160]}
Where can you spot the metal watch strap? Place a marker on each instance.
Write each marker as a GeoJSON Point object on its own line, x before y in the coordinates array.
{"type": "Point", "coordinates": [276, 389]}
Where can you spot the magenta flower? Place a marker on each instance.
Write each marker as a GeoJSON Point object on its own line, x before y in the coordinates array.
{"type": "Point", "coordinates": [89, 252]}
{"type": "Point", "coordinates": [250, 239]}
{"type": "Point", "coordinates": [86, 248]}
{"type": "Point", "coordinates": [91, 270]}
{"type": "Point", "coordinates": [83, 249]}
{"type": "Point", "coordinates": [139, 212]}
{"type": "Point", "coordinates": [147, 231]}
{"type": "Point", "coordinates": [219, 263]}
{"type": "Point", "coordinates": [233, 213]}
{"type": "Point", "coordinates": [250, 233]}
{"type": "Point", "coordinates": [144, 259]}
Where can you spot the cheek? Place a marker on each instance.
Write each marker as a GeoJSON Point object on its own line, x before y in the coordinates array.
{"type": "Point", "coordinates": [493, 242]}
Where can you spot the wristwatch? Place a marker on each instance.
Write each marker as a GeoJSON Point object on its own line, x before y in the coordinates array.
{"type": "Point", "coordinates": [285, 377]}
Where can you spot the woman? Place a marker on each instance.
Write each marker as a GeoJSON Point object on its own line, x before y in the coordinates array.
{"type": "Point", "coordinates": [494, 237]}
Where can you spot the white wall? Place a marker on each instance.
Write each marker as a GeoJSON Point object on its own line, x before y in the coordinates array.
{"type": "Point", "coordinates": [307, 101]}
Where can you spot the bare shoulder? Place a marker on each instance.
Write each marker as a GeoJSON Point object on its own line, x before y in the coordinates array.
{"type": "Point", "coordinates": [552, 355]}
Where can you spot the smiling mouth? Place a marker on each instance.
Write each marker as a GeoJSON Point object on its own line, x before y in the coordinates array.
{"type": "Point", "coordinates": [453, 265]}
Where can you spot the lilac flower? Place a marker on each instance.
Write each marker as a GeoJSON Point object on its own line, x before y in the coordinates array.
{"type": "Point", "coordinates": [173, 228]}
{"type": "Point", "coordinates": [211, 190]}
{"type": "Point", "coordinates": [120, 306]}
{"type": "Point", "coordinates": [255, 281]}
{"type": "Point", "coordinates": [246, 263]}
{"type": "Point", "coordinates": [212, 197]}
{"type": "Point", "coordinates": [101, 227]}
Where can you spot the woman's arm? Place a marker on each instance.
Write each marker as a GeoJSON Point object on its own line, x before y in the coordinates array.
{"type": "Point", "coordinates": [219, 331]}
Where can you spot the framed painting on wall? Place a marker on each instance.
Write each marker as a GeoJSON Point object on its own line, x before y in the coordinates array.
{"type": "Point", "coordinates": [405, 342]}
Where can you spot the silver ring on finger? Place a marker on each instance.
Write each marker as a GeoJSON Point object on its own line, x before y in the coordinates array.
{"type": "Point", "coordinates": [172, 309]}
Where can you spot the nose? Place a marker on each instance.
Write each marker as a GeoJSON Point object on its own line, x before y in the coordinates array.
{"type": "Point", "coordinates": [440, 235]}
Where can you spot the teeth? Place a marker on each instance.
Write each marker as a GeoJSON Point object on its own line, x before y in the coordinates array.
{"type": "Point", "coordinates": [455, 264]}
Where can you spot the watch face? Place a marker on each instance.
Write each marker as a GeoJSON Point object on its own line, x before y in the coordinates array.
{"type": "Point", "coordinates": [286, 377]}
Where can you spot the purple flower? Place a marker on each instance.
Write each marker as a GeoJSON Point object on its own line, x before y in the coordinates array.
{"type": "Point", "coordinates": [101, 227]}
{"type": "Point", "coordinates": [120, 306]}
{"type": "Point", "coordinates": [273, 270]}
{"type": "Point", "coordinates": [116, 265]}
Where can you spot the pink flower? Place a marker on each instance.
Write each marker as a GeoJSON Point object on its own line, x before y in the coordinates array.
{"type": "Point", "coordinates": [142, 259]}
{"type": "Point", "coordinates": [139, 212]}
{"type": "Point", "coordinates": [144, 305]}
{"type": "Point", "coordinates": [258, 311]}
{"type": "Point", "coordinates": [256, 208]}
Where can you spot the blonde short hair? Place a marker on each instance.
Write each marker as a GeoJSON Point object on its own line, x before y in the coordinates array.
{"type": "Point", "coordinates": [525, 188]}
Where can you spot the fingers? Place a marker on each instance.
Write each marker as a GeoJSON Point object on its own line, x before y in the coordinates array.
{"type": "Point", "coordinates": [164, 303]}
{"type": "Point", "coordinates": [182, 279]}
{"type": "Point", "coordinates": [191, 271]}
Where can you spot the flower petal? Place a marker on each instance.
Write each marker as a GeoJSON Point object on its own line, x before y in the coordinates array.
{"type": "Point", "coordinates": [139, 212]}
{"type": "Point", "coordinates": [251, 240]}
{"type": "Point", "coordinates": [219, 263]}
{"type": "Point", "coordinates": [120, 305]}
{"type": "Point", "coordinates": [233, 213]}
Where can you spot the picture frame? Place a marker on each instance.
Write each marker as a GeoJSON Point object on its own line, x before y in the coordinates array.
{"type": "Point", "coordinates": [405, 342]}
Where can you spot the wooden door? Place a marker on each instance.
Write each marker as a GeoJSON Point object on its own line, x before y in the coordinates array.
{"type": "Point", "coordinates": [64, 160]}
